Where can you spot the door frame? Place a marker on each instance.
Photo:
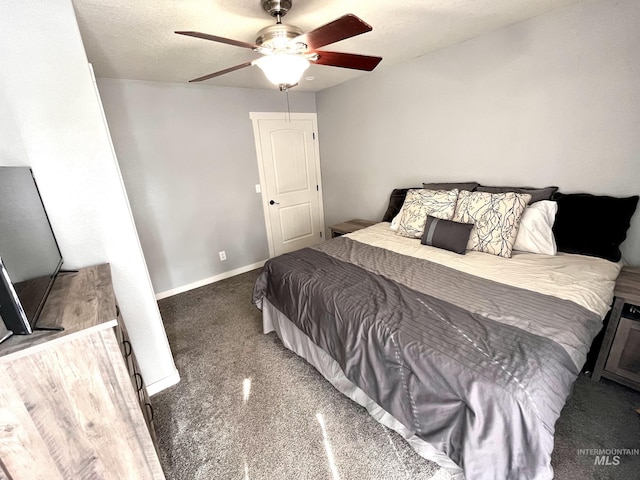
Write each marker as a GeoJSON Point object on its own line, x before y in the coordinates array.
{"type": "Point", "coordinates": [255, 118]}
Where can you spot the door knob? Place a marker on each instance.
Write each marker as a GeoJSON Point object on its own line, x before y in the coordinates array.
{"type": "Point", "coordinates": [273, 202]}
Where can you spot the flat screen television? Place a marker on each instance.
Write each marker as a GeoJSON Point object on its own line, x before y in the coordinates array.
{"type": "Point", "coordinates": [29, 255]}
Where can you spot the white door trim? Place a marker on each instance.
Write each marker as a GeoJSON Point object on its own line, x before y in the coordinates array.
{"type": "Point", "coordinates": [255, 117]}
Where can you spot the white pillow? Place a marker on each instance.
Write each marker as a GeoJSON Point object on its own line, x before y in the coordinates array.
{"type": "Point", "coordinates": [396, 220]}
{"type": "Point", "coordinates": [535, 234]}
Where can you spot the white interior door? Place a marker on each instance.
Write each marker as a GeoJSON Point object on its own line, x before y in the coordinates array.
{"type": "Point", "coordinates": [289, 164]}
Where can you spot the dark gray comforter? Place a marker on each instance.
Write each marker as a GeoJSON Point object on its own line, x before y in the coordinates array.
{"type": "Point", "coordinates": [425, 342]}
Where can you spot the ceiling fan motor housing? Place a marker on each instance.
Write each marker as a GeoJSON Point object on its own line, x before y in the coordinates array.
{"type": "Point", "coordinates": [277, 36]}
{"type": "Point", "coordinates": [276, 8]}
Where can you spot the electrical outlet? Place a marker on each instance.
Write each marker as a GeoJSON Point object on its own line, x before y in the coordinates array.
{"type": "Point", "coordinates": [223, 256]}
{"type": "Point", "coordinates": [258, 188]}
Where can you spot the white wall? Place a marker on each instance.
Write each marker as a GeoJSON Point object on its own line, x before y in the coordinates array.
{"type": "Point", "coordinates": [52, 121]}
{"type": "Point", "coordinates": [554, 100]}
{"type": "Point", "coordinates": [189, 163]}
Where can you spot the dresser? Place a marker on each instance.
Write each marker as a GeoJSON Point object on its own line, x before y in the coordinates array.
{"type": "Point", "coordinates": [73, 404]}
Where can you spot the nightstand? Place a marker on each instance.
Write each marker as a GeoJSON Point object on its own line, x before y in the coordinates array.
{"type": "Point", "coordinates": [619, 357]}
{"type": "Point", "coordinates": [349, 226]}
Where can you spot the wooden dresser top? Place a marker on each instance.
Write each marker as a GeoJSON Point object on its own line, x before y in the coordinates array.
{"type": "Point", "coordinates": [80, 302]}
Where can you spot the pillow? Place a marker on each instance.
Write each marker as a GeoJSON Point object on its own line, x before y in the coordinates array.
{"type": "Point", "coordinates": [395, 203]}
{"type": "Point", "coordinates": [535, 234]}
{"type": "Point", "coordinates": [420, 203]}
{"type": "Point", "coordinates": [470, 186]}
{"type": "Point", "coordinates": [496, 218]}
{"type": "Point", "coordinates": [593, 225]}
{"type": "Point", "coordinates": [537, 194]}
{"type": "Point", "coordinates": [447, 234]}
{"type": "Point", "coordinates": [398, 195]}
{"type": "Point", "coordinates": [395, 222]}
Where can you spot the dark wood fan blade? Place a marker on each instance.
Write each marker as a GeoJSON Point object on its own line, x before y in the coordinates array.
{"type": "Point", "coordinates": [221, 72]}
{"type": "Point", "coordinates": [344, 27]}
{"type": "Point", "coordinates": [215, 38]}
{"type": "Point", "coordinates": [347, 60]}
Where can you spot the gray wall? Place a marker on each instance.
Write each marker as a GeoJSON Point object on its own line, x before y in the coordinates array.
{"type": "Point", "coordinates": [550, 101]}
{"type": "Point", "coordinates": [189, 164]}
{"type": "Point", "coordinates": [52, 121]}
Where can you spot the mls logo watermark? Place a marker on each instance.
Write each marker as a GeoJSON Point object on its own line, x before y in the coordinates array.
{"type": "Point", "coordinates": [608, 456]}
{"type": "Point", "coordinates": [607, 460]}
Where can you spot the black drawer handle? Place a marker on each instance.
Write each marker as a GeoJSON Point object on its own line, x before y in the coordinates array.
{"type": "Point", "coordinates": [117, 310]}
{"type": "Point", "coordinates": [139, 381]}
{"type": "Point", "coordinates": [153, 415]}
{"type": "Point", "coordinates": [127, 348]}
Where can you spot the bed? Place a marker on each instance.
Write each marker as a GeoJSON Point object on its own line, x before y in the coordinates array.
{"type": "Point", "coordinates": [469, 357]}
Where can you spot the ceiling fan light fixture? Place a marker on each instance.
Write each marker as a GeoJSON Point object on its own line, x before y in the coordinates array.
{"type": "Point", "coordinates": [287, 51]}
{"type": "Point", "coordinates": [282, 68]}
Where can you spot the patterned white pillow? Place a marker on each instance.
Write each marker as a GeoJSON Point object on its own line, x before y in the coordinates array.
{"type": "Point", "coordinates": [421, 202]}
{"type": "Point", "coordinates": [496, 218]}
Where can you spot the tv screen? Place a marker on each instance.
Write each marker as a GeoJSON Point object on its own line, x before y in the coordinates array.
{"type": "Point", "coordinates": [29, 254]}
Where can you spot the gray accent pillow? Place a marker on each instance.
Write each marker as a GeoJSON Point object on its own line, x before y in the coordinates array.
{"type": "Point", "coordinates": [537, 194]}
{"type": "Point", "coordinates": [469, 186]}
{"type": "Point", "coordinates": [446, 234]}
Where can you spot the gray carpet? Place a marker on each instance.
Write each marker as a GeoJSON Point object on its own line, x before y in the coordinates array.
{"type": "Point", "coordinates": [210, 427]}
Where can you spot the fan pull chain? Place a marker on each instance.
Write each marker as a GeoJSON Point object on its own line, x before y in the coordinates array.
{"type": "Point", "coordinates": [286, 91]}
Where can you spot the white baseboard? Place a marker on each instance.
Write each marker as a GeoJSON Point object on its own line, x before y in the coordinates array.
{"type": "Point", "coordinates": [166, 382]}
{"type": "Point", "coordinates": [207, 281]}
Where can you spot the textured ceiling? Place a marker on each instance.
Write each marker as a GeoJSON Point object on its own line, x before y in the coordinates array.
{"type": "Point", "coordinates": [135, 40]}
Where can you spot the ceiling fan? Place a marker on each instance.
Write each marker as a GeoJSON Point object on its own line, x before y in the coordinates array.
{"type": "Point", "coordinates": [287, 51]}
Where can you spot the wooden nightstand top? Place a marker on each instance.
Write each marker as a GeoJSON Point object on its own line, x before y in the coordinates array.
{"type": "Point", "coordinates": [350, 226]}
{"type": "Point", "coordinates": [628, 285]}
